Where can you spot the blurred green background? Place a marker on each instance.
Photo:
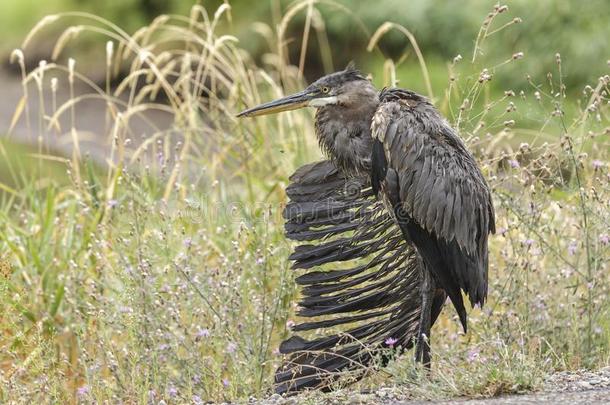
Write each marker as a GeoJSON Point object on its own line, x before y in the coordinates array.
{"type": "Point", "coordinates": [579, 30]}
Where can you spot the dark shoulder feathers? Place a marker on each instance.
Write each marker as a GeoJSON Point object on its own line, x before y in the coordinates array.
{"type": "Point", "coordinates": [441, 191]}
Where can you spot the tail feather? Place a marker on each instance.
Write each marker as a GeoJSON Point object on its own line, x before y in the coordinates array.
{"type": "Point", "coordinates": [361, 276]}
{"type": "Point", "coordinates": [339, 321]}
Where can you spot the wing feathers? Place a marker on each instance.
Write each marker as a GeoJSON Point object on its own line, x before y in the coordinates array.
{"type": "Point", "coordinates": [368, 285]}
{"type": "Point", "coordinates": [441, 189]}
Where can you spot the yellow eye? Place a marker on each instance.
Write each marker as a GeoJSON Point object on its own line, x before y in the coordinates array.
{"type": "Point", "coordinates": [325, 89]}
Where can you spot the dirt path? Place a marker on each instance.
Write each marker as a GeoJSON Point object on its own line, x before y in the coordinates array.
{"type": "Point", "coordinates": [574, 388]}
{"type": "Point", "coordinates": [574, 398]}
{"type": "Point", "coordinates": [582, 387]}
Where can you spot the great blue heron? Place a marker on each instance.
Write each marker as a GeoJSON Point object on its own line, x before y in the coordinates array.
{"type": "Point", "coordinates": [400, 206]}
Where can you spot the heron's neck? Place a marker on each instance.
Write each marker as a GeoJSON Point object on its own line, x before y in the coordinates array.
{"type": "Point", "coordinates": [344, 134]}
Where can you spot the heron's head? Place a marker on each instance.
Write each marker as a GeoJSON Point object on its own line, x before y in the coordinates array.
{"type": "Point", "coordinates": [345, 88]}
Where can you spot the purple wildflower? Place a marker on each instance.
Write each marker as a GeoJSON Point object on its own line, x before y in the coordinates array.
{"type": "Point", "coordinates": [197, 400]}
{"type": "Point", "coordinates": [225, 382]}
{"type": "Point", "coordinates": [513, 163]}
{"type": "Point", "coordinates": [604, 239]}
{"type": "Point", "coordinates": [539, 303]}
{"type": "Point", "coordinates": [172, 391]}
{"type": "Point", "coordinates": [391, 341]}
{"type": "Point", "coordinates": [290, 324]}
{"type": "Point", "coordinates": [572, 248]}
{"type": "Point", "coordinates": [82, 391]}
{"type": "Point", "coordinates": [529, 242]}
{"type": "Point", "coordinates": [473, 354]}
{"type": "Point", "coordinates": [597, 164]}
{"type": "Point", "coordinates": [202, 333]}
{"type": "Point", "coordinates": [112, 203]}
{"type": "Point", "coordinates": [231, 347]}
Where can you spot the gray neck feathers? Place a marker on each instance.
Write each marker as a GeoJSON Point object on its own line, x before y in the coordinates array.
{"type": "Point", "coordinates": [344, 129]}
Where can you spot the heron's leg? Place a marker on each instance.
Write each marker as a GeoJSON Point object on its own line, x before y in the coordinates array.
{"type": "Point", "coordinates": [422, 348]}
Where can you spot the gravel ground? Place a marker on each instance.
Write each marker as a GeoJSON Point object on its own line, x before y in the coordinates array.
{"type": "Point", "coordinates": [569, 387]}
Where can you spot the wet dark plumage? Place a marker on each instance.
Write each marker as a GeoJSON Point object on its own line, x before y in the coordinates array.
{"type": "Point", "coordinates": [393, 223]}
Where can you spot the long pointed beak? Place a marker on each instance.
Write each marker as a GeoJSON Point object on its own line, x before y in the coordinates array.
{"type": "Point", "coordinates": [291, 102]}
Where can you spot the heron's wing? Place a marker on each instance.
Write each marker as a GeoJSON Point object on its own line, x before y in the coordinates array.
{"type": "Point", "coordinates": [362, 284]}
{"type": "Point", "coordinates": [439, 194]}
